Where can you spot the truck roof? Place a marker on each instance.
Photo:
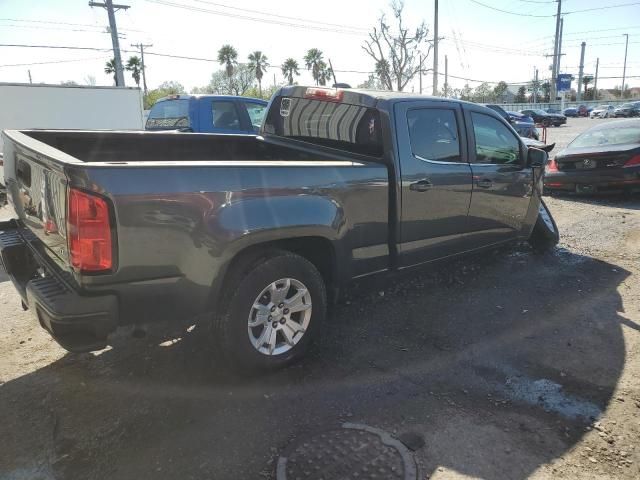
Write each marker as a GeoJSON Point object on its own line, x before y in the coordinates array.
{"type": "Point", "coordinates": [365, 97]}
{"type": "Point", "coordinates": [187, 96]}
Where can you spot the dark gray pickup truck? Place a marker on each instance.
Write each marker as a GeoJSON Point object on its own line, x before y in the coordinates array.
{"type": "Point", "coordinates": [251, 235]}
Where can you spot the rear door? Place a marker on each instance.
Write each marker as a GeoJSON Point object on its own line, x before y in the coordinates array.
{"type": "Point", "coordinates": [435, 180]}
{"type": "Point", "coordinates": [502, 184]}
{"type": "Point", "coordinates": [220, 115]}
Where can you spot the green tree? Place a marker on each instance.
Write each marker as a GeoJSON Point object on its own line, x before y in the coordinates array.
{"type": "Point", "coordinates": [134, 65]}
{"type": "Point", "coordinates": [228, 56]}
{"type": "Point", "coordinates": [383, 72]}
{"type": "Point", "coordinates": [314, 62]}
{"type": "Point", "coordinates": [258, 64]}
{"type": "Point", "coordinates": [546, 90]}
{"type": "Point", "coordinates": [164, 89]}
{"type": "Point", "coordinates": [110, 69]}
{"type": "Point", "coordinates": [586, 80]}
{"type": "Point", "coordinates": [466, 93]}
{"type": "Point", "coordinates": [289, 69]}
{"type": "Point", "coordinates": [500, 89]}
{"type": "Point", "coordinates": [483, 93]}
{"type": "Point", "coordinates": [521, 96]}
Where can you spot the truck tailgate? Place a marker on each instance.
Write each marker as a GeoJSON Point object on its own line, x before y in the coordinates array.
{"type": "Point", "coordinates": [36, 186]}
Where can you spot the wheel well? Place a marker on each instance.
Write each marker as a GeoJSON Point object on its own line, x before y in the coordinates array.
{"type": "Point", "coordinates": [318, 250]}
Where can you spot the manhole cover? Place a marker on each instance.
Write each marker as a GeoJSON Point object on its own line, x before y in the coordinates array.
{"type": "Point", "coordinates": [351, 452]}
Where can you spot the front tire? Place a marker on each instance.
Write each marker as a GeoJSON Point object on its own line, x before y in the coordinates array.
{"type": "Point", "coordinates": [545, 235]}
{"type": "Point", "coordinates": [271, 311]}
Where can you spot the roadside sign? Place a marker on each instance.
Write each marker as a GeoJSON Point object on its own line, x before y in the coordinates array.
{"type": "Point", "coordinates": [563, 83]}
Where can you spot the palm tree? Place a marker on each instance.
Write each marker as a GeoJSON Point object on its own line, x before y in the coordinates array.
{"type": "Point", "coordinates": [324, 74]}
{"type": "Point", "coordinates": [586, 80]}
{"type": "Point", "coordinates": [314, 62]}
{"type": "Point", "coordinates": [110, 69]}
{"type": "Point", "coordinates": [228, 56]}
{"type": "Point", "coordinates": [134, 65]}
{"type": "Point", "coordinates": [258, 64]}
{"type": "Point", "coordinates": [289, 69]}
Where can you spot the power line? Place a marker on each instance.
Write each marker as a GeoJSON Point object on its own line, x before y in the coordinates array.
{"type": "Point", "coordinates": [63, 47]}
{"type": "Point", "coordinates": [52, 62]}
{"type": "Point", "coordinates": [603, 8]}
{"type": "Point", "coordinates": [280, 16]}
{"type": "Point", "coordinates": [507, 11]}
{"type": "Point", "coordinates": [26, 20]}
{"type": "Point", "coordinates": [254, 19]}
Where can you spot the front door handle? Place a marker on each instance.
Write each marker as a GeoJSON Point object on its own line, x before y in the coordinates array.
{"type": "Point", "coordinates": [421, 186]}
{"type": "Point", "coordinates": [484, 183]}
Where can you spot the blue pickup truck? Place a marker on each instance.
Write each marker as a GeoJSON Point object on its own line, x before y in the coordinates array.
{"type": "Point", "coordinates": [207, 114]}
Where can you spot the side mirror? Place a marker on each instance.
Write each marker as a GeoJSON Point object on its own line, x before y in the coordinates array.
{"type": "Point", "coordinates": [536, 158]}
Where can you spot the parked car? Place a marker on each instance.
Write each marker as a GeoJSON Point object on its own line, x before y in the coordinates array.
{"type": "Point", "coordinates": [207, 114]}
{"type": "Point", "coordinates": [628, 110]}
{"type": "Point", "coordinates": [546, 119]}
{"type": "Point", "coordinates": [602, 111]}
{"type": "Point", "coordinates": [519, 117]}
{"type": "Point", "coordinates": [251, 234]}
{"type": "Point", "coordinates": [584, 111]}
{"type": "Point", "coordinates": [571, 112]}
{"type": "Point", "coordinates": [605, 157]}
{"type": "Point", "coordinates": [524, 128]}
{"type": "Point", "coordinates": [553, 110]}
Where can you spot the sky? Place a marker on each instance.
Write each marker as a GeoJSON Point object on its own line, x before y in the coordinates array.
{"type": "Point", "coordinates": [481, 43]}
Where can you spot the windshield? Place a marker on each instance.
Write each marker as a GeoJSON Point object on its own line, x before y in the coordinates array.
{"type": "Point", "coordinates": [169, 114]}
{"type": "Point", "coordinates": [603, 107]}
{"type": "Point", "coordinates": [539, 112]}
{"type": "Point", "coordinates": [608, 136]}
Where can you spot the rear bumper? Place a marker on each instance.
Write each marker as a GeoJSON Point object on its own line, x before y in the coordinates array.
{"type": "Point", "coordinates": [613, 179]}
{"type": "Point", "coordinates": [79, 323]}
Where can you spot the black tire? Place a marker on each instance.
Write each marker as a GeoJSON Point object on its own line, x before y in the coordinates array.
{"type": "Point", "coordinates": [230, 324]}
{"type": "Point", "coordinates": [543, 238]}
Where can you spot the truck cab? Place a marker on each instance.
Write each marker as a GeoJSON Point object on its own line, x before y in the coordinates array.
{"type": "Point", "coordinates": [207, 114]}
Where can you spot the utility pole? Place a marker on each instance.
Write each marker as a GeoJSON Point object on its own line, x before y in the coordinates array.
{"type": "Point", "coordinates": [560, 47]}
{"type": "Point", "coordinates": [142, 46]}
{"type": "Point", "coordinates": [556, 48]}
{"type": "Point", "coordinates": [535, 86]}
{"type": "Point", "coordinates": [29, 71]}
{"type": "Point", "coordinates": [624, 70]}
{"type": "Point", "coordinates": [111, 12]}
{"type": "Point", "coordinates": [580, 72]}
{"type": "Point", "coordinates": [435, 50]}
{"type": "Point", "coordinates": [595, 82]}
{"type": "Point", "coordinates": [446, 76]}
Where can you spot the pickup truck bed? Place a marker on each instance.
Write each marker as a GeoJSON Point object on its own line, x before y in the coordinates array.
{"type": "Point", "coordinates": [253, 234]}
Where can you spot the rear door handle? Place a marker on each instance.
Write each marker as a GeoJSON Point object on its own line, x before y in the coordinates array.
{"type": "Point", "coordinates": [484, 183]}
{"type": "Point", "coordinates": [421, 186]}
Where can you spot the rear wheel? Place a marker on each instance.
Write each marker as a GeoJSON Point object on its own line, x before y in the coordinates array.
{"type": "Point", "coordinates": [273, 309]}
{"type": "Point", "coordinates": [545, 233]}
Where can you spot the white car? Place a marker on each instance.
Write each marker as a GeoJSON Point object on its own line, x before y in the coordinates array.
{"type": "Point", "coordinates": [602, 111]}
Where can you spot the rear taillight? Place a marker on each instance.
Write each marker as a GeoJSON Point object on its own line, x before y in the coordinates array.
{"type": "Point", "coordinates": [633, 162]}
{"type": "Point", "coordinates": [552, 166]}
{"type": "Point", "coordinates": [89, 232]}
{"type": "Point", "coordinates": [326, 94]}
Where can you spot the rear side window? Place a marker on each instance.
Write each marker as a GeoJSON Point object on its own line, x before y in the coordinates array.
{"type": "Point", "coordinates": [256, 113]}
{"type": "Point", "coordinates": [494, 141]}
{"type": "Point", "coordinates": [352, 128]}
{"type": "Point", "coordinates": [225, 116]}
{"type": "Point", "coordinates": [168, 114]}
{"type": "Point", "coordinates": [434, 134]}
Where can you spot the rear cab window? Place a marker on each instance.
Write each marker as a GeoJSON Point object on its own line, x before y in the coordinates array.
{"type": "Point", "coordinates": [329, 123]}
{"type": "Point", "coordinates": [169, 114]}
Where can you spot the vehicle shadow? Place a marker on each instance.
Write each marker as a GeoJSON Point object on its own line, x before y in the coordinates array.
{"type": "Point", "coordinates": [499, 362]}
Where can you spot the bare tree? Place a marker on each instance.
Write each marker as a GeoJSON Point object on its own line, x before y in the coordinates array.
{"type": "Point", "coordinates": [396, 51]}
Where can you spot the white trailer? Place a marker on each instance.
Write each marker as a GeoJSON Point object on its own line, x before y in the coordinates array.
{"type": "Point", "coordinates": [24, 105]}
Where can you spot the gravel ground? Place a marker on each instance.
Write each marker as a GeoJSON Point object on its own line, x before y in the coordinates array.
{"type": "Point", "coordinates": [509, 366]}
